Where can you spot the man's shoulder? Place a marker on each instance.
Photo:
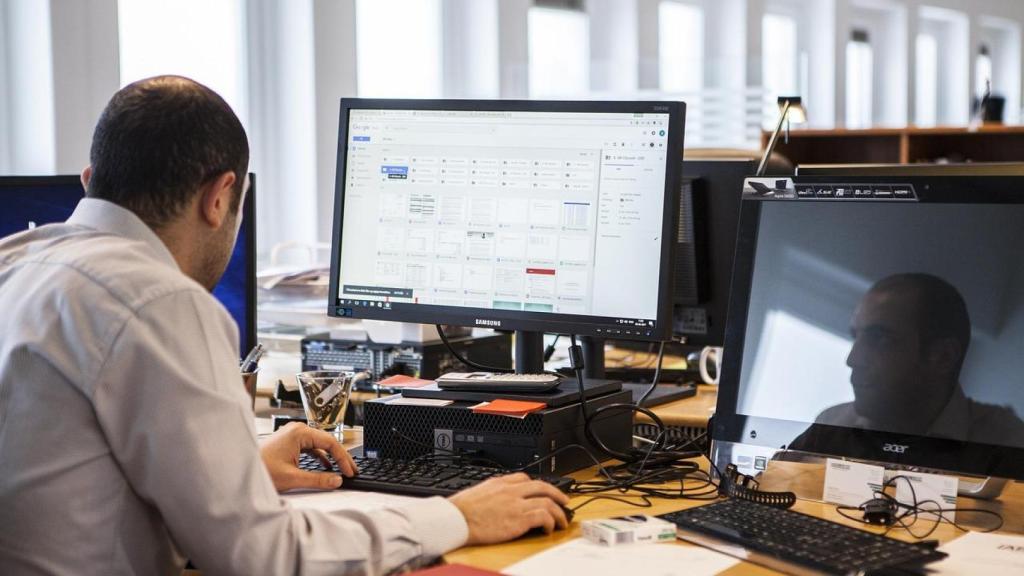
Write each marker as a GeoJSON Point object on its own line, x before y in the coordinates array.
{"type": "Point", "coordinates": [994, 423]}
{"type": "Point", "coordinates": [838, 415]}
{"type": "Point", "coordinates": [70, 258]}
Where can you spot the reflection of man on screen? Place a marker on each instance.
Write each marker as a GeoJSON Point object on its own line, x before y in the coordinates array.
{"type": "Point", "coordinates": [911, 333]}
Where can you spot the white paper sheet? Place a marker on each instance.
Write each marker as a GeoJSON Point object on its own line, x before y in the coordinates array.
{"type": "Point", "coordinates": [982, 553]}
{"type": "Point", "coordinates": [403, 401]}
{"type": "Point", "coordinates": [344, 499]}
{"type": "Point", "coordinates": [582, 557]}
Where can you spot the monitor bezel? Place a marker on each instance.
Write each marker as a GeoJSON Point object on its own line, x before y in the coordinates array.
{"type": "Point", "coordinates": [249, 222]}
{"type": "Point", "coordinates": [515, 319]}
{"type": "Point", "coordinates": [23, 181]}
{"type": "Point", "coordinates": [943, 454]}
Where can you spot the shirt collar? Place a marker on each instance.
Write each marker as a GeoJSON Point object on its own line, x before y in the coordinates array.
{"type": "Point", "coordinates": [105, 216]}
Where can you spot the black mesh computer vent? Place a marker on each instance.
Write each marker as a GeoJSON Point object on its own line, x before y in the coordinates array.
{"type": "Point", "coordinates": [416, 427]}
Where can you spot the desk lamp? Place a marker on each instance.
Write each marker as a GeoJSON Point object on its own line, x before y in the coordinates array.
{"type": "Point", "coordinates": [791, 110]}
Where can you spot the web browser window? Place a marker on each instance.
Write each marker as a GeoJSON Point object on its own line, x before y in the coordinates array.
{"type": "Point", "coordinates": [557, 212]}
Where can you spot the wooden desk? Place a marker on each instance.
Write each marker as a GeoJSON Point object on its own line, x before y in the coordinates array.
{"type": "Point", "coordinates": [690, 412]}
{"type": "Point", "coordinates": [624, 358]}
{"type": "Point", "coordinates": [500, 556]}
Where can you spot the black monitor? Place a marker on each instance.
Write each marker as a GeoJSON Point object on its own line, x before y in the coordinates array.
{"type": "Point", "coordinates": [878, 318]}
{"type": "Point", "coordinates": [709, 211]}
{"type": "Point", "coordinates": [710, 208]}
{"type": "Point", "coordinates": [518, 215]}
{"type": "Point", "coordinates": [30, 201]}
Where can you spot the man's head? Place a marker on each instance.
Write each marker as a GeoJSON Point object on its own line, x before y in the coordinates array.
{"type": "Point", "coordinates": [911, 333]}
{"type": "Point", "coordinates": [171, 150]}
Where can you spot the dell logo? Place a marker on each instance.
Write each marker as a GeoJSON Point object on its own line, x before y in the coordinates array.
{"type": "Point", "coordinates": [896, 448]}
{"type": "Point", "coordinates": [494, 323]}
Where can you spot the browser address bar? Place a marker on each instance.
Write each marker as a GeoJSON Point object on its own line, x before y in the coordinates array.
{"type": "Point", "coordinates": [439, 128]}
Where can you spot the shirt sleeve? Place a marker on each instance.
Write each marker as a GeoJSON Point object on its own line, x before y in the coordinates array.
{"type": "Point", "coordinates": [171, 404]}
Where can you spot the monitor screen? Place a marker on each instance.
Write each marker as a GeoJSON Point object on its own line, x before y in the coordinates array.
{"type": "Point", "coordinates": [880, 319]}
{"type": "Point", "coordinates": [541, 216]}
{"type": "Point", "coordinates": [37, 200]}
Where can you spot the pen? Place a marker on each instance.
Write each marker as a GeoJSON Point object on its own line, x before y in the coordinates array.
{"type": "Point", "coordinates": [252, 358]}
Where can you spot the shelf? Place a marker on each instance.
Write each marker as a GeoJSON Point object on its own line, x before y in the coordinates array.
{"type": "Point", "coordinates": [989, 143]}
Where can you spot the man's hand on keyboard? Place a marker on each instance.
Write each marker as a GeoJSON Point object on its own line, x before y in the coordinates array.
{"type": "Point", "coordinates": [505, 507]}
{"type": "Point", "coordinates": [280, 454]}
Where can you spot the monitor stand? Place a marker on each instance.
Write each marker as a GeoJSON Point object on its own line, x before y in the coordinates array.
{"type": "Point", "coordinates": [530, 354]}
{"type": "Point", "coordinates": [775, 469]}
{"type": "Point", "coordinates": [987, 488]}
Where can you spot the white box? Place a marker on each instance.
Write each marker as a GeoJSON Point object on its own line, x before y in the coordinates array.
{"type": "Point", "coordinates": [638, 529]}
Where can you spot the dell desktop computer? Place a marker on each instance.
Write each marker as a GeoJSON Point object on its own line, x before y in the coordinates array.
{"type": "Point", "coordinates": [527, 216]}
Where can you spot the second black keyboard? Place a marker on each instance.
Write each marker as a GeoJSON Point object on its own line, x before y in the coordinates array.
{"type": "Point", "coordinates": [792, 539]}
{"type": "Point", "coordinates": [418, 477]}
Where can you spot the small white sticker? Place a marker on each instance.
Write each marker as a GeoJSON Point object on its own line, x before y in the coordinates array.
{"type": "Point", "coordinates": [851, 483]}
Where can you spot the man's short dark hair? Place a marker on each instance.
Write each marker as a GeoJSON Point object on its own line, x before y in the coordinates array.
{"type": "Point", "coordinates": [158, 141]}
{"type": "Point", "coordinates": [941, 313]}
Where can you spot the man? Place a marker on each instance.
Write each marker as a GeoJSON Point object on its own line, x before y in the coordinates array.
{"type": "Point", "coordinates": [911, 334]}
{"type": "Point", "coordinates": [126, 442]}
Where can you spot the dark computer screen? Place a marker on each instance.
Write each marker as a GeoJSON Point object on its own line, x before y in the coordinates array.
{"type": "Point", "coordinates": [34, 201]}
{"type": "Point", "coordinates": [37, 200]}
{"type": "Point", "coordinates": [872, 313]}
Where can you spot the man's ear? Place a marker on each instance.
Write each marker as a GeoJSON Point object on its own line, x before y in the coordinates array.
{"type": "Point", "coordinates": [86, 176]}
{"type": "Point", "coordinates": [215, 199]}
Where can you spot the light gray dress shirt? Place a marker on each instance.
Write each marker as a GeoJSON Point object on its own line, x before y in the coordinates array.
{"type": "Point", "coordinates": [126, 438]}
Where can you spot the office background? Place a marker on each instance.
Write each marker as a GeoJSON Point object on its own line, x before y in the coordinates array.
{"type": "Point", "coordinates": [283, 64]}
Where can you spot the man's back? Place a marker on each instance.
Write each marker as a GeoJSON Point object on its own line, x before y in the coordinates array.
{"type": "Point", "coordinates": [126, 435]}
{"type": "Point", "coordinates": [67, 292]}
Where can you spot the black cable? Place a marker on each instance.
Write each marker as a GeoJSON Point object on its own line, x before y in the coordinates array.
{"type": "Point", "coordinates": [645, 502]}
{"type": "Point", "coordinates": [657, 375]}
{"type": "Point", "coordinates": [467, 361]}
{"type": "Point", "coordinates": [657, 452]}
{"type": "Point", "coordinates": [914, 510]}
{"type": "Point", "coordinates": [550, 350]}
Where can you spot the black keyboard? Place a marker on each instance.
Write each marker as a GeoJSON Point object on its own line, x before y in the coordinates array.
{"type": "Point", "coordinates": [784, 539]}
{"type": "Point", "coordinates": [418, 477]}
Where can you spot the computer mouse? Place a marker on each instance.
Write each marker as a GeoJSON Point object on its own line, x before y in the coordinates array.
{"type": "Point", "coordinates": [539, 530]}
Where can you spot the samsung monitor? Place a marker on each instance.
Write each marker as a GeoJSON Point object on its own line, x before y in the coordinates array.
{"type": "Point", "coordinates": [517, 215]}
{"type": "Point", "coordinates": [878, 318]}
{"type": "Point", "coordinates": [30, 201]}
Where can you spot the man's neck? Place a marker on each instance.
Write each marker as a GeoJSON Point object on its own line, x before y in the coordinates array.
{"type": "Point", "coordinates": [182, 247]}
